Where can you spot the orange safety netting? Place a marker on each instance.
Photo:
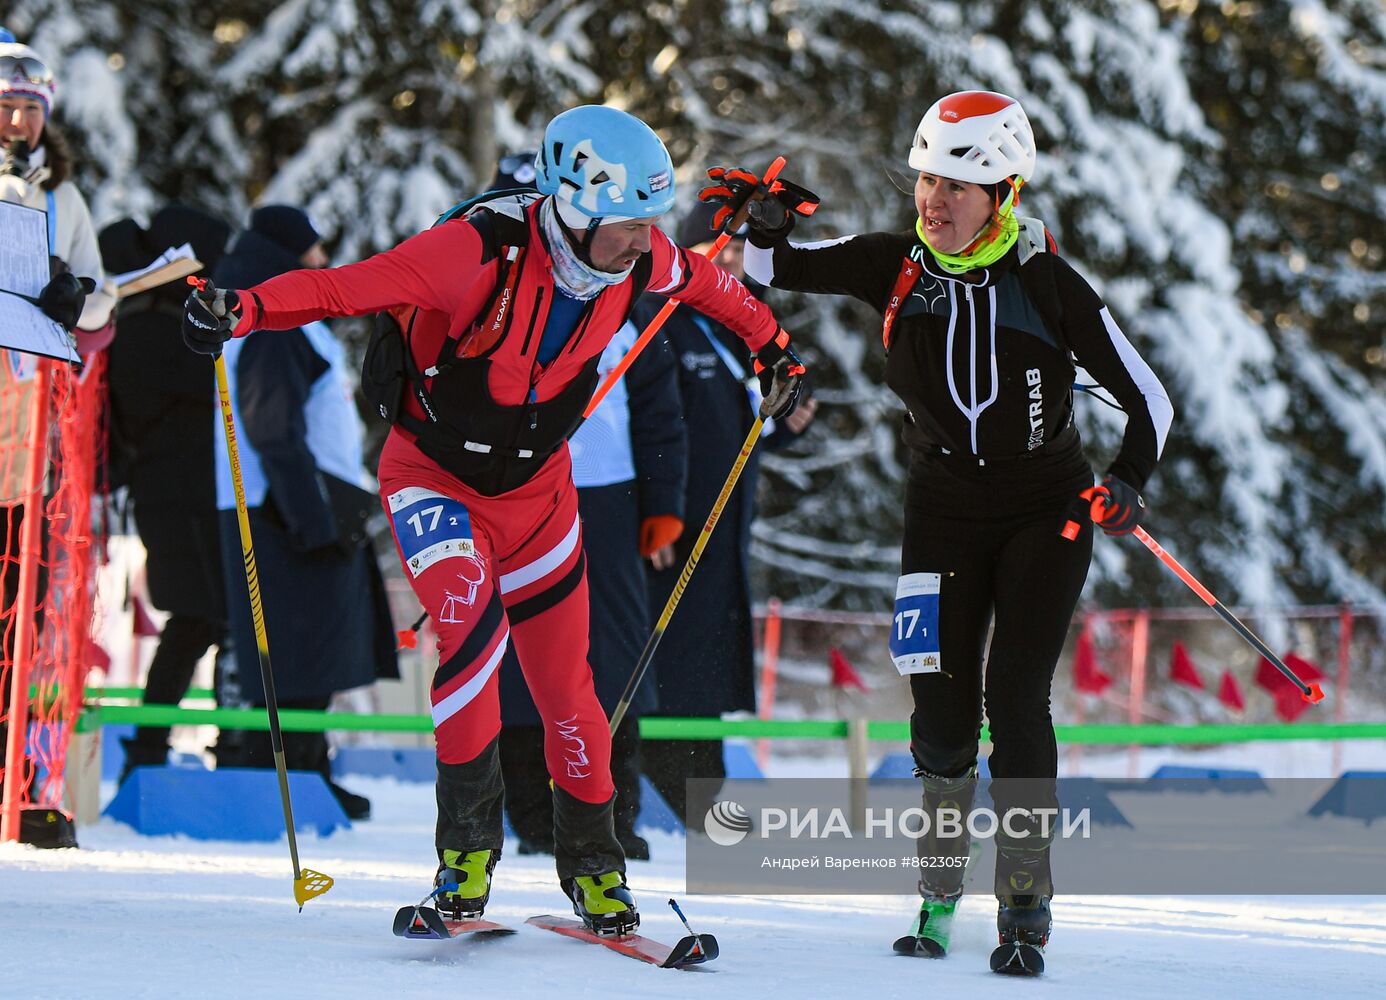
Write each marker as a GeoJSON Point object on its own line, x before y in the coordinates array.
{"type": "Point", "coordinates": [50, 412]}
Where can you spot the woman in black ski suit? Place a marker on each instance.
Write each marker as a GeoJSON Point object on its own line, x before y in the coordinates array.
{"type": "Point", "coordinates": [982, 323]}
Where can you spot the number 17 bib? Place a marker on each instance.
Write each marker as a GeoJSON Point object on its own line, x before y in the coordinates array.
{"type": "Point", "coordinates": [914, 630]}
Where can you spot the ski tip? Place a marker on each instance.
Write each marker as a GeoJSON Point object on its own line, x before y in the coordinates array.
{"type": "Point", "coordinates": [1017, 960]}
{"type": "Point", "coordinates": [696, 949]}
{"type": "Point", "coordinates": [919, 947]}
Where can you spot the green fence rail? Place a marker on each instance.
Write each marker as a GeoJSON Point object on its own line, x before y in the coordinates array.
{"type": "Point", "coordinates": [298, 720]}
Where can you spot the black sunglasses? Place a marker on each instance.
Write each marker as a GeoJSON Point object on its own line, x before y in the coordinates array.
{"type": "Point", "coordinates": [25, 68]}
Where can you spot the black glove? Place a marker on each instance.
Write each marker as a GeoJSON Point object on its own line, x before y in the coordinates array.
{"type": "Point", "coordinates": [1122, 507]}
{"type": "Point", "coordinates": [770, 208]}
{"type": "Point", "coordinates": [781, 375]}
{"type": "Point", "coordinates": [209, 316]}
{"type": "Point", "coordinates": [63, 297]}
{"type": "Point", "coordinates": [16, 161]}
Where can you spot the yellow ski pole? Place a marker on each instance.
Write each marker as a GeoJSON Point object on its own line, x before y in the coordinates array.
{"type": "Point", "coordinates": [307, 883]}
{"type": "Point", "coordinates": [676, 595]}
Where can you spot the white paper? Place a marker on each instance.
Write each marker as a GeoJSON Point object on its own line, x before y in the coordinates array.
{"type": "Point", "coordinates": [168, 256]}
{"type": "Point", "coordinates": [23, 249]}
{"type": "Point", "coordinates": [24, 327]}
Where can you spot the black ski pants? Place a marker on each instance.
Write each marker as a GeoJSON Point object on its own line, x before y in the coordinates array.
{"type": "Point", "coordinates": [992, 533]}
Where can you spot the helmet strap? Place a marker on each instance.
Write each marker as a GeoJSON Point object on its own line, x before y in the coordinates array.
{"type": "Point", "coordinates": [992, 241]}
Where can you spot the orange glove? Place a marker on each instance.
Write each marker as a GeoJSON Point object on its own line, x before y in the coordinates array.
{"type": "Point", "coordinates": [657, 532]}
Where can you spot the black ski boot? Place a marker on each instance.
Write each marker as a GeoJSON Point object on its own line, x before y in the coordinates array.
{"type": "Point", "coordinates": [604, 902]}
{"type": "Point", "coordinates": [1022, 924]}
{"type": "Point", "coordinates": [469, 815]}
{"type": "Point", "coordinates": [591, 865]}
{"type": "Point", "coordinates": [464, 883]}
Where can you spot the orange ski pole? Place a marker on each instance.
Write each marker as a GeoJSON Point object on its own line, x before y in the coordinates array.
{"type": "Point", "coordinates": [1096, 497]}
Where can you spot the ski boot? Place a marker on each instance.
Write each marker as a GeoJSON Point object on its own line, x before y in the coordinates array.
{"type": "Point", "coordinates": [603, 902]}
{"type": "Point", "coordinates": [463, 883]}
{"type": "Point", "coordinates": [928, 936]}
{"type": "Point", "coordinates": [1022, 924]}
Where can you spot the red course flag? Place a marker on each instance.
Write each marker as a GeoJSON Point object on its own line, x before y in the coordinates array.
{"type": "Point", "coordinates": [1088, 677]}
{"type": "Point", "coordinates": [1182, 669]}
{"type": "Point", "coordinates": [844, 674]}
{"type": "Point", "coordinates": [143, 625]}
{"type": "Point", "coordinates": [1273, 680]}
{"type": "Point", "coordinates": [1289, 702]}
{"type": "Point", "coordinates": [97, 657]}
{"type": "Point", "coordinates": [1230, 692]}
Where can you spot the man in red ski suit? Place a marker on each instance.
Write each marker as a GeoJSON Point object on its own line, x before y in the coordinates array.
{"type": "Point", "coordinates": [502, 310]}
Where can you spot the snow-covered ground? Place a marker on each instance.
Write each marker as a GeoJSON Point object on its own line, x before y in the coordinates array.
{"type": "Point", "coordinates": [130, 916]}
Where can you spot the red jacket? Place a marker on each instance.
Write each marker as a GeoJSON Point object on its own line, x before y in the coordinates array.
{"type": "Point", "coordinates": [445, 271]}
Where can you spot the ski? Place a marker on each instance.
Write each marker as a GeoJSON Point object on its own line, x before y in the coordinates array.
{"type": "Point", "coordinates": [928, 936]}
{"type": "Point", "coordinates": [426, 923]}
{"type": "Point", "coordinates": [695, 949]}
{"type": "Point", "coordinates": [1015, 958]}
{"type": "Point", "coordinates": [920, 947]}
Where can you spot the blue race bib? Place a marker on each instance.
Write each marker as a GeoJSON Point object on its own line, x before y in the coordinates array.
{"type": "Point", "coordinates": [430, 528]}
{"type": "Point", "coordinates": [914, 629]}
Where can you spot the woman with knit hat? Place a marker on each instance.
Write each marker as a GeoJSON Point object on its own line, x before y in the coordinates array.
{"type": "Point", "coordinates": [34, 173]}
{"type": "Point", "coordinates": [982, 324]}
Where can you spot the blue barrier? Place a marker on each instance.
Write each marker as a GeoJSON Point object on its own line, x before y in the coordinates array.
{"type": "Point", "coordinates": [655, 813]}
{"type": "Point", "coordinates": [1076, 794]}
{"type": "Point", "coordinates": [228, 804]}
{"type": "Point", "coordinates": [418, 764]}
{"type": "Point", "coordinates": [112, 753]}
{"type": "Point", "coordinates": [740, 765]}
{"type": "Point", "coordinates": [894, 766]}
{"type": "Point", "coordinates": [1356, 795]}
{"type": "Point", "coordinates": [1187, 778]}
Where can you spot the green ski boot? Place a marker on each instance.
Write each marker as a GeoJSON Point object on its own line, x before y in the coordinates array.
{"type": "Point", "coordinates": [928, 936]}
{"type": "Point", "coordinates": [464, 883]}
{"type": "Point", "coordinates": [603, 902]}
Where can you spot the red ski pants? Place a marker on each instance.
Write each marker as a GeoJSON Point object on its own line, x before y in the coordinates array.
{"type": "Point", "coordinates": [492, 570]}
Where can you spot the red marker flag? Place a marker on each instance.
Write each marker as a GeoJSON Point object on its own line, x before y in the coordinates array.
{"type": "Point", "coordinates": [1182, 669]}
{"type": "Point", "coordinates": [1088, 676]}
{"type": "Point", "coordinates": [844, 674]}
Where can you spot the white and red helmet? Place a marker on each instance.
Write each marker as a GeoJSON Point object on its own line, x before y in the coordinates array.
{"type": "Point", "coordinates": [976, 136]}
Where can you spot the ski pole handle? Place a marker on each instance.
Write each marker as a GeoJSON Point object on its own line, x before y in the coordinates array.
{"type": "Point", "coordinates": [653, 327]}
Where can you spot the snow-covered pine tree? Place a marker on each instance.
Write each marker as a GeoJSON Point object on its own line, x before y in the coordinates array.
{"type": "Point", "coordinates": [1298, 92]}
{"type": "Point", "coordinates": [1212, 169]}
{"type": "Point", "coordinates": [81, 39]}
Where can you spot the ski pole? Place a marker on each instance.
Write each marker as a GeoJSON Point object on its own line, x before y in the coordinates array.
{"type": "Point", "coordinates": [648, 653]}
{"type": "Point", "coordinates": [1310, 692]}
{"type": "Point", "coordinates": [307, 883]}
{"type": "Point", "coordinates": [653, 327]}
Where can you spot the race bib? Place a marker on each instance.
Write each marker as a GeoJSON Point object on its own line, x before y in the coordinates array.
{"type": "Point", "coordinates": [430, 528]}
{"type": "Point", "coordinates": [914, 630]}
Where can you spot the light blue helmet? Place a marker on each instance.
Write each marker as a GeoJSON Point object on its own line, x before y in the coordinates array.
{"type": "Point", "coordinates": [601, 165]}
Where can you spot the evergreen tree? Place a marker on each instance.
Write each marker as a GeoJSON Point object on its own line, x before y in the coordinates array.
{"type": "Point", "coordinates": [1212, 169]}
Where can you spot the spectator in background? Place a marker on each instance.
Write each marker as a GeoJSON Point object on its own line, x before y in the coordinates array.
{"type": "Point", "coordinates": [163, 416]}
{"type": "Point", "coordinates": [300, 442]}
{"type": "Point", "coordinates": [34, 172]}
{"type": "Point", "coordinates": [628, 466]}
{"type": "Point", "coordinates": [706, 660]}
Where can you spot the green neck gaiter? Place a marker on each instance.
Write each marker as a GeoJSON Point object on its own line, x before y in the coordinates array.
{"type": "Point", "coordinates": [986, 254]}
